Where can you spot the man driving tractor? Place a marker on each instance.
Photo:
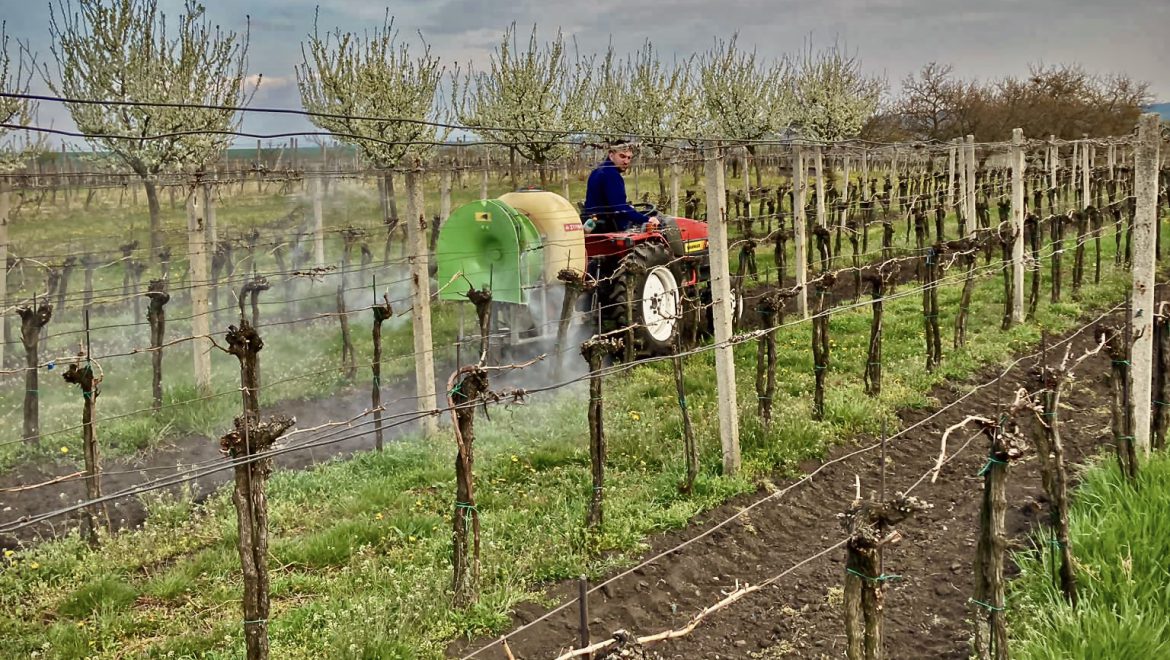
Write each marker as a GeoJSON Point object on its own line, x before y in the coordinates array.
{"type": "Point", "coordinates": [606, 205]}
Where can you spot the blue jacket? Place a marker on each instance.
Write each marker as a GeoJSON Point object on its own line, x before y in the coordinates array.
{"type": "Point", "coordinates": [605, 197]}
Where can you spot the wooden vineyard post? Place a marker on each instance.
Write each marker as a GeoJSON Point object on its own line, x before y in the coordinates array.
{"type": "Point", "coordinates": [1145, 224]}
{"type": "Point", "coordinates": [769, 306]}
{"type": "Point", "coordinates": [420, 299]}
{"type": "Point", "coordinates": [990, 638]}
{"type": "Point", "coordinates": [246, 445]}
{"type": "Point", "coordinates": [723, 313]}
{"type": "Point", "coordinates": [201, 321]}
{"type": "Point", "coordinates": [820, 342]}
{"type": "Point", "coordinates": [464, 388]}
{"type": "Point", "coordinates": [594, 351]}
{"type": "Point", "coordinates": [381, 313]}
{"type": "Point", "coordinates": [1050, 449]}
{"type": "Point", "coordinates": [873, 363]}
{"type": "Point", "coordinates": [32, 319]}
{"type": "Point", "coordinates": [1080, 224]}
{"type": "Point", "coordinates": [444, 207]}
{"type": "Point", "coordinates": [349, 238]}
{"type": "Point", "coordinates": [1032, 234]}
{"type": "Point", "coordinates": [780, 254]}
{"type": "Point", "coordinates": [690, 447]}
{"type": "Point", "coordinates": [967, 250]}
{"type": "Point", "coordinates": [930, 269]}
{"type": "Point", "coordinates": [1057, 228]}
{"type": "Point", "coordinates": [575, 284]}
{"type": "Point", "coordinates": [1118, 348]}
{"type": "Point", "coordinates": [156, 315]}
{"type": "Point", "coordinates": [1007, 242]}
{"type": "Point", "coordinates": [869, 525]}
{"type": "Point", "coordinates": [1161, 393]}
{"type": "Point", "coordinates": [90, 384]}
{"type": "Point", "coordinates": [67, 266]}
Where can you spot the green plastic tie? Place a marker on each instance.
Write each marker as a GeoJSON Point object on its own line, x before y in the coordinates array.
{"type": "Point", "coordinates": [1056, 543]}
{"type": "Point", "coordinates": [455, 390]}
{"type": "Point", "coordinates": [32, 391]}
{"type": "Point", "coordinates": [1125, 362]}
{"type": "Point", "coordinates": [819, 367]}
{"type": "Point", "coordinates": [256, 622]}
{"type": "Point", "coordinates": [465, 505]}
{"type": "Point", "coordinates": [1124, 437]}
{"type": "Point", "coordinates": [987, 606]}
{"type": "Point", "coordinates": [1161, 403]}
{"type": "Point", "coordinates": [87, 394]}
{"type": "Point", "coordinates": [990, 461]}
{"type": "Point", "coordinates": [377, 381]}
{"type": "Point", "coordinates": [881, 578]}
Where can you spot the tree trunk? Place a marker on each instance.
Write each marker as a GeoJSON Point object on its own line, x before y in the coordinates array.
{"type": "Point", "coordinates": [156, 315]}
{"type": "Point", "coordinates": [464, 387]}
{"type": "Point", "coordinates": [32, 319]}
{"type": "Point", "coordinates": [690, 447]}
{"type": "Point", "coordinates": [156, 232]}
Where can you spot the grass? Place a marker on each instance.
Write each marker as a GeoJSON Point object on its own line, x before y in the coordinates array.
{"type": "Point", "coordinates": [360, 548]}
{"type": "Point", "coordinates": [1118, 537]}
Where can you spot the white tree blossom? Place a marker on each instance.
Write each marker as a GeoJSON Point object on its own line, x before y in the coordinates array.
{"type": "Point", "coordinates": [533, 100]}
{"type": "Point", "coordinates": [120, 50]}
{"type": "Point", "coordinates": [15, 147]}
{"type": "Point", "coordinates": [832, 97]}
{"type": "Point", "coordinates": [386, 98]}
{"type": "Point", "coordinates": [643, 99]}
{"type": "Point", "coordinates": [745, 99]}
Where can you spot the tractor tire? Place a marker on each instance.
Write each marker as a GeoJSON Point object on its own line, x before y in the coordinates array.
{"type": "Point", "coordinates": [652, 289]}
{"type": "Point", "coordinates": [706, 300]}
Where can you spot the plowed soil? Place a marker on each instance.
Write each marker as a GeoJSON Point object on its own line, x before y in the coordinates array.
{"type": "Point", "coordinates": [926, 609]}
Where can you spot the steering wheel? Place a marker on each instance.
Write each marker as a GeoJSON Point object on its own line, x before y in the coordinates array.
{"type": "Point", "coordinates": [646, 209]}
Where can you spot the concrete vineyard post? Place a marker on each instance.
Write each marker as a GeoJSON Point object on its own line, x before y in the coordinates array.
{"type": "Point", "coordinates": [961, 209]}
{"type": "Point", "coordinates": [799, 232]}
{"type": "Point", "coordinates": [722, 303]}
{"type": "Point", "coordinates": [820, 189]}
{"type": "Point", "coordinates": [1018, 225]}
{"type": "Point", "coordinates": [201, 319]}
{"type": "Point", "coordinates": [969, 162]}
{"type": "Point", "coordinates": [209, 214]}
{"type": "Point", "coordinates": [951, 153]}
{"type": "Point", "coordinates": [5, 206]}
{"type": "Point", "coordinates": [1086, 169]}
{"type": "Point", "coordinates": [1145, 220]}
{"type": "Point", "coordinates": [315, 193]}
{"type": "Point", "coordinates": [420, 287]}
{"type": "Point", "coordinates": [675, 172]}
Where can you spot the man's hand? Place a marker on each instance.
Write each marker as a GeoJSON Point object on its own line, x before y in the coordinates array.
{"type": "Point", "coordinates": [652, 223]}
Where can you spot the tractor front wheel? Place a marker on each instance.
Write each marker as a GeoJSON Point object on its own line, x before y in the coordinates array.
{"type": "Point", "coordinates": [645, 294]}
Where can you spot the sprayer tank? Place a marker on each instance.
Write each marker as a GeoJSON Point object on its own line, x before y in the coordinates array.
{"type": "Point", "coordinates": [559, 225]}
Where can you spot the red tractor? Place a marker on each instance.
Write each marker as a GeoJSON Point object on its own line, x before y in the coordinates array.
{"type": "Point", "coordinates": [655, 280]}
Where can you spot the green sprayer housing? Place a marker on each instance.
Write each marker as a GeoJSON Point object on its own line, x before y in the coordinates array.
{"type": "Point", "coordinates": [488, 244]}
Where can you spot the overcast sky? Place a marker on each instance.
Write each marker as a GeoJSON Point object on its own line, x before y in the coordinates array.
{"type": "Point", "coordinates": [988, 38]}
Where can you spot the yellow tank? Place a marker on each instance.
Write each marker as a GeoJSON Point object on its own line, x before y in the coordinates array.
{"type": "Point", "coordinates": [559, 225]}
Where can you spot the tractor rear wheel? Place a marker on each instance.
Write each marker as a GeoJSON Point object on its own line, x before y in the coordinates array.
{"type": "Point", "coordinates": [646, 287]}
